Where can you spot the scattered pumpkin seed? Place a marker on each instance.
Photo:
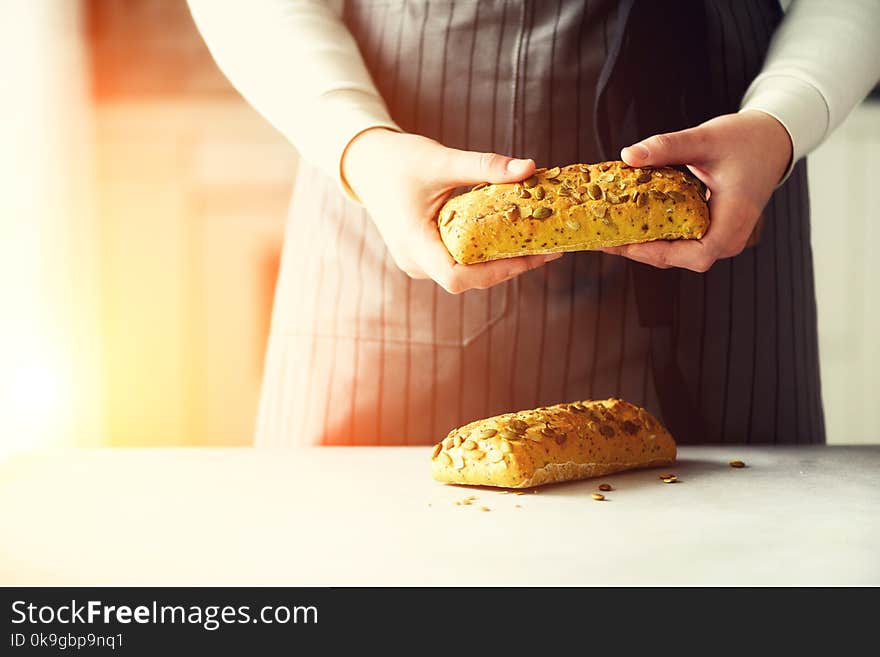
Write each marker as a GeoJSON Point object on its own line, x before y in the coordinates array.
{"type": "Point", "coordinates": [737, 464]}
{"type": "Point", "coordinates": [605, 487]}
{"type": "Point", "coordinates": [595, 192]}
{"type": "Point", "coordinates": [598, 497]}
{"type": "Point", "coordinates": [554, 172]}
{"type": "Point", "coordinates": [530, 182]}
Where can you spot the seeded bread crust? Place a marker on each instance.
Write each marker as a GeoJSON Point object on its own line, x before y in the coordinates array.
{"type": "Point", "coordinates": [574, 208]}
{"type": "Point", "coordinates": [552, 444]}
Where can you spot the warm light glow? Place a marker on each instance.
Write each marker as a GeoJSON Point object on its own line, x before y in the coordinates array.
{"type": "Point", "coordinates": [35, 404]}
{"type": "Point", "coordinates": [49, 307]}
{"type": "Point", "coordinates": [34, 388]}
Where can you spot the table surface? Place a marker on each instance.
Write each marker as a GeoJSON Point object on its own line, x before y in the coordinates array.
{"type": "Point", "coordinates": [373, 516]}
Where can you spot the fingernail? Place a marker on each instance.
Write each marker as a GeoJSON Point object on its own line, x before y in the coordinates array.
{"type": "Point", "coordinates": [635, 152]}
{"type": "Point", "coordinates": [518, 167]}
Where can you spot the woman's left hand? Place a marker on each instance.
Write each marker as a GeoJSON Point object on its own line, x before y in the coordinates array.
{"type": "Point", "coordinates": [741, 158]}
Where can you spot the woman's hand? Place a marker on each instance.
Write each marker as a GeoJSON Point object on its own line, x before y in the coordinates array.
{"type": "Point", "coordinates": [403, 181]}
{"type": "Point", "coordinates": [741, 158]}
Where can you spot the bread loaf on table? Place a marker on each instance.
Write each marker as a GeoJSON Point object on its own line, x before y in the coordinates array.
{"type": "Point", "coordinates": [573, 208]}
{"type": "Point", "coordinates": [553, 444]}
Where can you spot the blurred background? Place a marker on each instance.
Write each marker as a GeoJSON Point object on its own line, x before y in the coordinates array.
{"type": "Point", "coordinates": [143, 205]}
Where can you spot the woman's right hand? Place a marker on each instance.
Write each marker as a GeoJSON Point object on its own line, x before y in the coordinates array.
{"type": "Point", "coordinates": [403, 180]}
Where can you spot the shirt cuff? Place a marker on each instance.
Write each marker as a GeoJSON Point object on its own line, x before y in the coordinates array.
{"type": "Point", "coordinates": [797, 105]}
{"type": "Point", "coordinates": [347, 114]}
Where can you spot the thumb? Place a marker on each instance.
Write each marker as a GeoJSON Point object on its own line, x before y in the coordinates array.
{"type": "Point", "coordinates": [691, 146]}
{"type": "Point", "coordinates": [467, 167]}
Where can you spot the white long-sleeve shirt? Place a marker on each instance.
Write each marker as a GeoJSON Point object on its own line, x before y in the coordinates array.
{"type": "Point", "coordinates": [298, 65]}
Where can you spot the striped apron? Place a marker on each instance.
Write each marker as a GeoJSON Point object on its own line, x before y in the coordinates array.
{"type": "Point", "coordinates": [360, 354]}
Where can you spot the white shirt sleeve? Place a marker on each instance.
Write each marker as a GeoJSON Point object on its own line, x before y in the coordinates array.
{"type": "Point", "coordinates": [299, 66]}
{"type": "Point", "coordinates": [823, 60]}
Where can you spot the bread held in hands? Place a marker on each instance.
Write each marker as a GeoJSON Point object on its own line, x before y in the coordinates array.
{"type": "Point", "coordinates": [574, 208]}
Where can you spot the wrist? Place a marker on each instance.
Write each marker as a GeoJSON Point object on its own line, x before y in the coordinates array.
{"type": "Point", "coordinates": [362, 154]}
{"type": "Point", "coordinates": [774, 138]}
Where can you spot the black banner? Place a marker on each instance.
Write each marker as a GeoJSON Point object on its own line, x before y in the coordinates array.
{"type": "Point", "coordinates": [151, 621]}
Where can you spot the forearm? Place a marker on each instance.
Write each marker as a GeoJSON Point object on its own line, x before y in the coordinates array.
{"type": "Point", "coordinates": [300, 67]}
{"type": "Point", "coordinates": [823, 61]}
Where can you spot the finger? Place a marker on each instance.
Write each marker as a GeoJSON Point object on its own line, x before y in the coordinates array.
{"type": "Point", "coordinates": [663, 254]}
{"type": "Point", "coordinates": [455, 278]}
{"type": "Point", "coordinates": [466, 167]}
{"type": "Point", "coordinates": [691, 146]}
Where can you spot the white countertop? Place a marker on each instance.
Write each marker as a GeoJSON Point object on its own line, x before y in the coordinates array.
{"type": "Point", "coordinates": [373, 516]}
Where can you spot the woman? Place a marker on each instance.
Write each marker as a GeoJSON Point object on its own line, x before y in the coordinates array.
{"type": "Point", "coordinates": [378, 337]}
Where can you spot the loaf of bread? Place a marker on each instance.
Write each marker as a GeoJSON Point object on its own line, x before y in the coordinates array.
{"type": "Point", "coordinates": [553, 444]}
{"type": "Point", "coordinates": [573, 208]}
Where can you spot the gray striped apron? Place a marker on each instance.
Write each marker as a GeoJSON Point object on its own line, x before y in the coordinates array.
{"type": "Point", "coordinates": [360, 354]}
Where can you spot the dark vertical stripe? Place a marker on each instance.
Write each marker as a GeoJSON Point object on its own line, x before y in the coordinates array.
{"type": "Point", "coordinates": [522, 74]}
{"type": "Point", "coordinates": [319, 282]}
{"type": "Point", "coordinates": [599, 257]}
{"type": "Point", "coordinates": [374, 49]}
{"type": "Point", "coordinates": [810, 320]}
{"type": "Point", "coordinates": [794, 384]}
{"type": "Point", "coordinates": [551, 121]}
{"type": "Point", "coordinates": [755, 293]}
{"type": "Point", "coordinates": [755, 249]}
{"type": "Point", "coordinates": [776, 295]}
{"type": "Point", "coordinates": [435, 288]}
{"type": "Point", "coordinates": [596, 318]}
{"type": "Point", "coordinates": [732, 99]}
{"type": "Point", "coordinates": [648, 358]}
{"type": "Point", "coordinates": [807, 377]}
{"type": "Point", "coordinates": [340, 269]}
{"type": "Point", "coordinates": [467, 138]}
{"type": "Point", "coordinates": [623, 310]}
{"type": "Point", "coordinates": [493, 132]}
{"type": "Point", "coordinates": [381, 365]}
{"type": "Point", "coordinates": [572, 280]}
{"type": "Point", "coordinates": [417, 104]}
